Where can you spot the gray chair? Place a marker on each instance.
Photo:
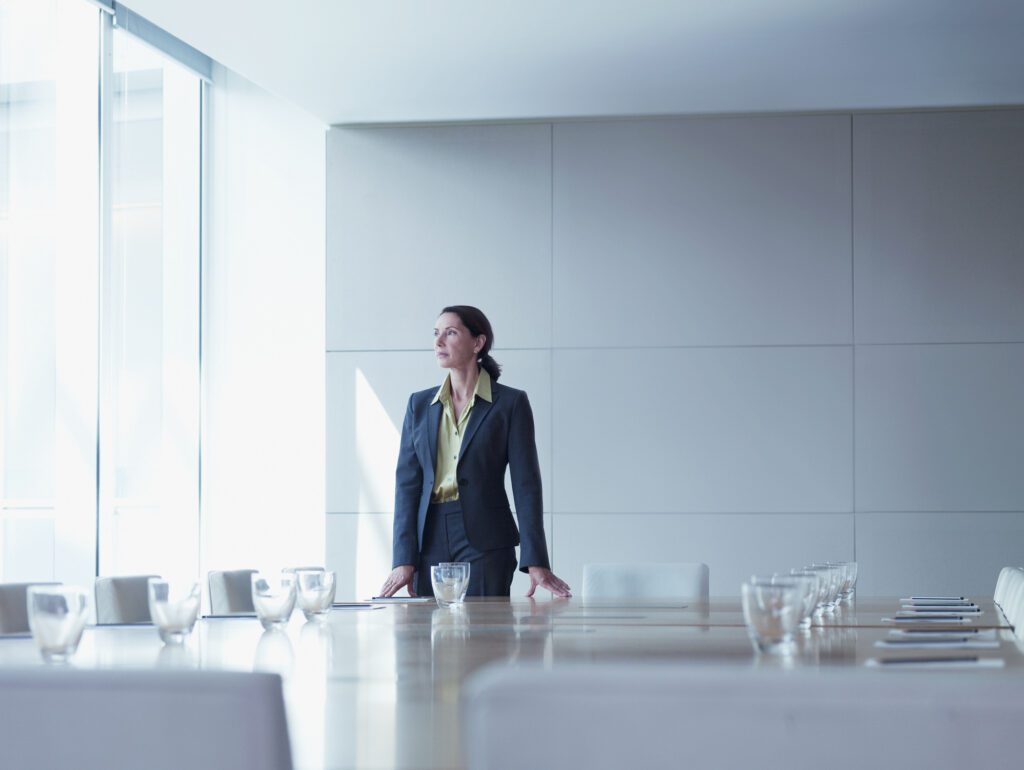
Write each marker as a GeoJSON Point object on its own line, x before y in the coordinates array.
{"type": "Point", "coordinates": [230, 591]}
{"type": "Point", "coordinates": [160, 720]}
{"type": "Point", "coordinates": [14, 607]}
{"type": "Point", "coordinates": [673, 582]}
{"type": "Point", "coordinates": [123, 599]}
{"type": "Point", "coordinates": [606, 716]}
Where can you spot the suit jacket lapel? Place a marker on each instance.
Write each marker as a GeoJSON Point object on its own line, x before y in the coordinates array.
{"type": "Point", "coordinates": [433, 423]}
{"type": "Point", "coordinates": [481, 409]}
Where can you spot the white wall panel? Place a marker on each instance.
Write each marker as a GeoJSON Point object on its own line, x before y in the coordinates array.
{"type": "Point", "coordinates": [427, 217]}
{"type": "Point", "coordinates": [703, 430]}
{"type": "Point", "coordinates": [938, 227]}
{"type": "Point", "coordinates": [703, 232]}
{"type": "Point", "coordinates": [367, 394]}
{"type": "Point", "coordinates": [733, 546]}
{"type": "Point", "coordinates": [359, 550]}
{"type": "Point", "coordinates": [940, 553]}
{"type": "Point", "coordinates": [940, 428]}
{"type": "Point", "coordinates": [263, 345]}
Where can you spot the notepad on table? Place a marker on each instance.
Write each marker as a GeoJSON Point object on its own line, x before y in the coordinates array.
{"type": "Point", "coordinates": [402, 599]}
{"type": "Point", "coordinates": [938, 643]}
{"type": "Point", "coordinates": [951, 661]}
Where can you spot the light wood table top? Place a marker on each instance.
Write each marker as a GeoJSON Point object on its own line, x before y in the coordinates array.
{"type": "Point", "coordinates": [380, 688]}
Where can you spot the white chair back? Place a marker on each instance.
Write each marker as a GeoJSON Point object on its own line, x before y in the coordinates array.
{"type": "Point", "coordinates": [159, 720]}
{"type": "Point", "coordinates": [14, 607]}
{"type": "Point", "coordinates": [231, 591]}
{"type": "Point", "coordinates": [123, 599]}
{"type": "Point", "coordinates": [612, 716]}
{"type": "Point", "coordinates": [1001, 584]}
{"type": "Point", "coordinates": [1013, 600]}
{"type": "Point", "coordinates": [651, 582]}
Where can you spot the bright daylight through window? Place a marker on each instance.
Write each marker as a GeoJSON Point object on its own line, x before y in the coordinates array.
{"type": "Point", "coordinates": [100, 180]}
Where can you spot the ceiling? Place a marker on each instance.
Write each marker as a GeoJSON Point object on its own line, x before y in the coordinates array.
{"type": "Point", "coordinates": [350, 62]}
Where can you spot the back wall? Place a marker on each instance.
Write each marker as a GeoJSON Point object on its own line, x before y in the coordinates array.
{"type": "Point", "coordinates": [749, 341]}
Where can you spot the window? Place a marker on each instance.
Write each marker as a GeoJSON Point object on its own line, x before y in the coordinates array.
{"type": "Point", "coordinates": [100, 170]}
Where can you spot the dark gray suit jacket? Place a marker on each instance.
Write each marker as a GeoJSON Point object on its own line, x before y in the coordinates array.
{"type": "Point", "coordinates": [499, 434]}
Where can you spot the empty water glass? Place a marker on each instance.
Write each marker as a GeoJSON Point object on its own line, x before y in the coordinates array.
{"type": "Point", "coordinates": [57, 615]}
{"type": "Point", "coordinates": [174, 608]}
{"type": "Point", "coordinates": [821, 584]}
{"type": "Point", "coordinates": [772, 610]}
{"type": "Point", "coordinates": [808, 597]}
{"type": "Point", "coordinates": [450, 581]}
{"type": "Point", "coordinates": [833, 578]}
{"type": "Point", "coordinates": [315, 589]}
{"type": "Point", "coordinates": [849, 579]}
{"type": "Point", "coordinates": [273, 598]}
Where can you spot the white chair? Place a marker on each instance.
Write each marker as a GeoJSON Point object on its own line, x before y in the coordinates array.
{"type": "Point", "coordinates": [123, 599]}
{"type": "Point", "coordinates": [1013, 600]}
{"type": "Point", "coordinates": [1005, 575]}
{"type": "Point", "coordinates": [14, 607]}
{"type": "Point", "coordinates": [612, 716]}
{"type": "Point", "coordinates": [159, 720]}
{"type": "Point", "coordinates": [230, 591]}
{"type": "Point", "coordinates": [651, 582]}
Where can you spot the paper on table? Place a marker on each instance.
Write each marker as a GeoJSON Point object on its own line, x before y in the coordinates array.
{"type": "Point", "coordinates": [933, 633]}
{"type": "Point", "coordinates": [938, 644]}
{"type": "Point", "coordinates": [918, 609]}
{"type": "Point", "coordinates": [356, 606]}
{"type": "Point", "coordinates": [401, 599]}
{"type": "Point", "coordinates": [897, 663]}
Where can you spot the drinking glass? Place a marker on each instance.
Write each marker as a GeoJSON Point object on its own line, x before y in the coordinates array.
{"type": "Point", "coordinates": [315, 591]}
{"type": "Point", "coordinates": [273, 598]}
{"type": "Point", "coordinates": [808, 597]}
{"type": "Point", "coordinates": [450, 581]}
{"type": "Point", "coordinates": [849, 579]}
{"type": "Point", "coordinates": [174, 608]}
{"type": "Point", "coordinates": [832, 576]}
{"type": "Point", "coordinates": [772, 610]}
{"type": "Point", "coordinates": [57, 615]}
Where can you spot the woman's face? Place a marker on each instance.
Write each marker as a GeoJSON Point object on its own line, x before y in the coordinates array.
{"type": "Point", "coordinates": [454, 346]}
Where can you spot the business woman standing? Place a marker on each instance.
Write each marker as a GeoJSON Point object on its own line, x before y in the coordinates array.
{"type": "Point", "coordinates": [450, 500]}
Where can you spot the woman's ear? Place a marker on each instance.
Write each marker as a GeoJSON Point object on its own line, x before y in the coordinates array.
{"type": "Point", "coordinates": [481, 341]}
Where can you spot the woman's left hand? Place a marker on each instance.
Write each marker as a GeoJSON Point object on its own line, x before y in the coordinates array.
{"type": "Point", "coordinates": [545, 578]}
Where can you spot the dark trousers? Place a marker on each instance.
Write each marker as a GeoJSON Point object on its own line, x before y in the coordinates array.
{"type": "Point", "coordinates": [444, 539]}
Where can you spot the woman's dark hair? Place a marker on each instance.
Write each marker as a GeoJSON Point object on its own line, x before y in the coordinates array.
{"type": "Point", "coordinates": [474, 320]}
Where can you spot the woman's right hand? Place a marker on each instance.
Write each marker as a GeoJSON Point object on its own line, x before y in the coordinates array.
{"type": "Point", "coordinates": [400, 576]}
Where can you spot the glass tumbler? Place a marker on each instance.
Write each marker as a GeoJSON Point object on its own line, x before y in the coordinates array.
{"type": "Point", "coordinates": [174, 608]}
{"type": "Point", "coordinates": [833, 578]}
{"type": "Point", "coordinates": [809, 596]}
{"type": "Point", "coordinates": [450, 581]}
{"type": "Point", "coordinates": [772, 610]}
{"type": "Point", "coordinates": [57, 615]}
{"type": "Point", "coordinates": [315, 591]}
{"type": "Point", "coordinates": [273, 598]}
{"type": "Point", "coordinates": [849, 579]}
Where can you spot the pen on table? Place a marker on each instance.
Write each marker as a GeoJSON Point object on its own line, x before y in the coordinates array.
{"type": "Point", "coordinates": [943, 640]}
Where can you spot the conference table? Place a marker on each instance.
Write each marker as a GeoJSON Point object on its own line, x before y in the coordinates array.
{"type": "Point", "coordinates": [382, 687]}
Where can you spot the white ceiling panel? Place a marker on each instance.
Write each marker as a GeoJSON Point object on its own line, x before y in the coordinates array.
{"type": "Point", "coordinates": [454, 60]}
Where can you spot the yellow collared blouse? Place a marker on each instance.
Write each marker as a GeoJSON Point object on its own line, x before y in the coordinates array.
{"type": "Point", "coordinates": [449, 437]}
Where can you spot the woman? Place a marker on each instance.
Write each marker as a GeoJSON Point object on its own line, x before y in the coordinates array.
{"type": "Point", "coordinates": [450, 501]}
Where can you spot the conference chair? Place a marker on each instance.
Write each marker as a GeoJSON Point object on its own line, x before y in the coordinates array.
{"type": "Point", "coordinates": [1013, 599]}
{"type": "Point", "coordinates": [158, 720]}
{"type": "Point", "coordinates": [123, 599]}
{"type": "Point", "coordinates": [14, 607]}
{"type": "Point", "coordinates": [675, 582]}
{"type": "Point", "coordinates": [231, 591]}
{"type": "Point", "coordinates": [610, 716]}
{"type": "Point", "coordinates": [1002, 582]}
